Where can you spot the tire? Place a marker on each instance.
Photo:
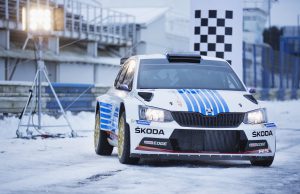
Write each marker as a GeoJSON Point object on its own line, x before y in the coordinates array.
{"type": "Point", "coordinates": [102, 147]}
{"type": "Point", "coordinates": [262, 162]}
{"type": "Point", "coordinates": [124, 142]}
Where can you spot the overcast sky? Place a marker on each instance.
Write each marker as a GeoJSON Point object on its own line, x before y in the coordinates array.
{"type": "Point", "coordinates": [284, 12]}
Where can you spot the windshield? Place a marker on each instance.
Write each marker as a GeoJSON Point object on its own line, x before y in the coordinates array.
{"type": "Point", "coordinates": [214, 75]}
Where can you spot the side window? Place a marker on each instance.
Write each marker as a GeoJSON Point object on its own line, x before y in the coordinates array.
{"type": "Point", "coordinates": [231, 82]}
{"type": "Point", "coordinates": [120, 75]}
{"type": "Point", "coordinates": [117, 78]}
{"type": "Point", "coordinates": [128, 79]}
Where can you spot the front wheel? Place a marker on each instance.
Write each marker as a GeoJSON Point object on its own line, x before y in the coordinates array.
{"type": "Point", "coordinates": [262, 162]}
{"type": "Point", "coordinates": [124, 142]}
{"type": "Point", "coordinates": [102, 147]}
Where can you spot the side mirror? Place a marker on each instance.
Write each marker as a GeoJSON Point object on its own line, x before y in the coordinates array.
{"type": "Point", "coordinates": [123, 87]}
{"type": "Point", "coordinates": [122, 61]}
{"type": "Point", "coordinates": [252, 90]}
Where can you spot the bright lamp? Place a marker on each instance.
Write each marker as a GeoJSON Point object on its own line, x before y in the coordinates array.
{"type": "Point", "coordinates": [38, 19]}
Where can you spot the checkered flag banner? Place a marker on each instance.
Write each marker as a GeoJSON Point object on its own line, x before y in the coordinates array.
{"type": "Point", "coordinates": [217, 30]}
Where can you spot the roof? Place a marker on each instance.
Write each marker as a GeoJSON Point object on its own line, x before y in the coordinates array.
{"type": "Point", "coordinates": [163, 56]}
{"type": "Point", "coordinates": [143, 15]}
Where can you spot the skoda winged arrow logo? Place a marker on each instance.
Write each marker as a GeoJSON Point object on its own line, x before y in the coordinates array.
{"type": "Point", "coordinates": [209, 110]}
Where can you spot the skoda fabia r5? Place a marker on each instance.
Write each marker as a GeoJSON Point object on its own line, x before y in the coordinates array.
{"type": "Point", "coordinates": [182, 106]}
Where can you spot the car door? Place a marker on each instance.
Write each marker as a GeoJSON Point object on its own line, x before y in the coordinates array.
{"type": "Point", "coordinates": [115, 97]}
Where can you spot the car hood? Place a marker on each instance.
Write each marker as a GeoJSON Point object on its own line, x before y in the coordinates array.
{"type": "Point", "coordinates": [207, 102]}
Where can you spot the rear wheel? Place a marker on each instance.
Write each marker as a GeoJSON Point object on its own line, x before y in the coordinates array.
{"type": "Point", "coordinates": [266, 162]}
{"type": "Point", "coordinates": [102, 147]}
{"type": "Point", "coordinates": [124, 142]}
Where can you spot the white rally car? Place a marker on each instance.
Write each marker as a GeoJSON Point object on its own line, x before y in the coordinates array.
{"type": "Point", "coordinates": [182, 106]}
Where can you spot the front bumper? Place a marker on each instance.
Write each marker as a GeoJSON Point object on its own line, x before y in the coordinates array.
{"type": "Point", "coordinates": [199, 157]}
{"type": "Point", "coordinates": [171, 141]}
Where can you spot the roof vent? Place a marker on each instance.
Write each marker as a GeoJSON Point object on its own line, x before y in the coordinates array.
{"type": "Point", "coordinates": [183, 57]}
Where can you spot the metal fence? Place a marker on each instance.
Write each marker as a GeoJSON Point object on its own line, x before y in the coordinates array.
{"type": "Point", "coordinates": [266, 68]}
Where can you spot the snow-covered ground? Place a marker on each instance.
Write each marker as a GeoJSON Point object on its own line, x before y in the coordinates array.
{"type": "Point", "coordinates": [70, 165]}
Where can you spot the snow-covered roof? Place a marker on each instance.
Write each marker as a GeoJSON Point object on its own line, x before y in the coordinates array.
{"type": "Point", "coordinates": [143, 15]}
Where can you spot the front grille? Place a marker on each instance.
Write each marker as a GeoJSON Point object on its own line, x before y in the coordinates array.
{"type": "Point", "coordinates": [221, 141]}
{"type": "Point", "coordinates": [195, 119]}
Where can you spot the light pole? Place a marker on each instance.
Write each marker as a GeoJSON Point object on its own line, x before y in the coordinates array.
{"type": "Point", "coordinates": [39, 23]}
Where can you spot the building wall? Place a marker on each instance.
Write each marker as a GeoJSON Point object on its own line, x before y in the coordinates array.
{"type": "Point", "coordinates": [24, 71]}
{"type": "Point", "coordinates": [2, 69]}
{"type": "Point", "coordinates": [254, 21]}
{"type": "Point", "coordinates": [105, 75]}
{"type": "Point", "coordinates": [155, 38]}
{"type": "Point", "coordinates": [75, 73]}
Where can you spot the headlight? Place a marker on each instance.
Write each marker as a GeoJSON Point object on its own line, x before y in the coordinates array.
{"type": "Point", "coordinates": [154, 114]}
{"type": "Point", "coordinates": [256, 117]}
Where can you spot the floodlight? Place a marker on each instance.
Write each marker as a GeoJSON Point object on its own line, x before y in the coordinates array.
{"type": "Point", "coordinates": [37, 19]}
{"type": "Point", "coordinates": [40, 21]}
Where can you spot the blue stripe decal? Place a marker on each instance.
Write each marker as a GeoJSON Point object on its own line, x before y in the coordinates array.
{"type": "Point", "coordinates": [207, 105]}
{"type": "Point", "coordinates": [202, 107]}
{"type": "Point", "coordinates": [270, 125]}
{"type": "Point", "coordinates": [105, 110]}
{"type": "Point", "coordinates": [187, 102]}
{"type": "Point", "coordinates": [104, 121]}
{"type": "Point", "coordinates": [222, 101]}
{"type": "Point", "coordinates": [212, 102]}
{"type": "Point", "coordinates": [105, 127]}
{"type": "Point", "coordinates": [105, 116]}
{"type": "Point", "coordinates": [217, 100]}
{"type": "Point", "coordinates": [105, 105]}
{"type": "Point", "coordinates": [191, 97]}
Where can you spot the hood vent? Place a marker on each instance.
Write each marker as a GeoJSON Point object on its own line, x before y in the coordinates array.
{"type": "Point", "coordinates": [251, 98]}
{"type": "Point", "coordinates": [147, 96]}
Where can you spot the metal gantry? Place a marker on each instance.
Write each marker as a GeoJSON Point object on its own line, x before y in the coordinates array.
{"type": "Point", "coordinates": [80, 20]}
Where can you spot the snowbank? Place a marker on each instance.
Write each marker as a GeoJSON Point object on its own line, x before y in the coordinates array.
{"type": "Point", "coordinates": [286, 114]}
{"type": "Point", "coordinates": [83, 121]}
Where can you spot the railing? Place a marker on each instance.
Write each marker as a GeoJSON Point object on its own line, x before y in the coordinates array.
{"type": "Point", "coordinates": [266, 68]}
{"type": "Point", "coordinates": [81, 20]}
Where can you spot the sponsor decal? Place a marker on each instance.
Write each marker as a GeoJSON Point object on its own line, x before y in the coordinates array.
{"type": "Point", "coordinates": [254, 145]}
{"type": "Point", "coordinates": [179, 103]}
{"type": "Point", "coordinates": [262, 144]}
{"type": "Point", "coordinates": [143, 122]}
{"type": "Point", "coordinates": [260, 151]}
{"type": "Point", "coordinates": [261, 133]}
{"type": "Point", "coordinates": [157, 143]}
{"type": "Point", "coordinates": [149, 131]}
{"type": "Point", "coordinates": [270, 125]}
